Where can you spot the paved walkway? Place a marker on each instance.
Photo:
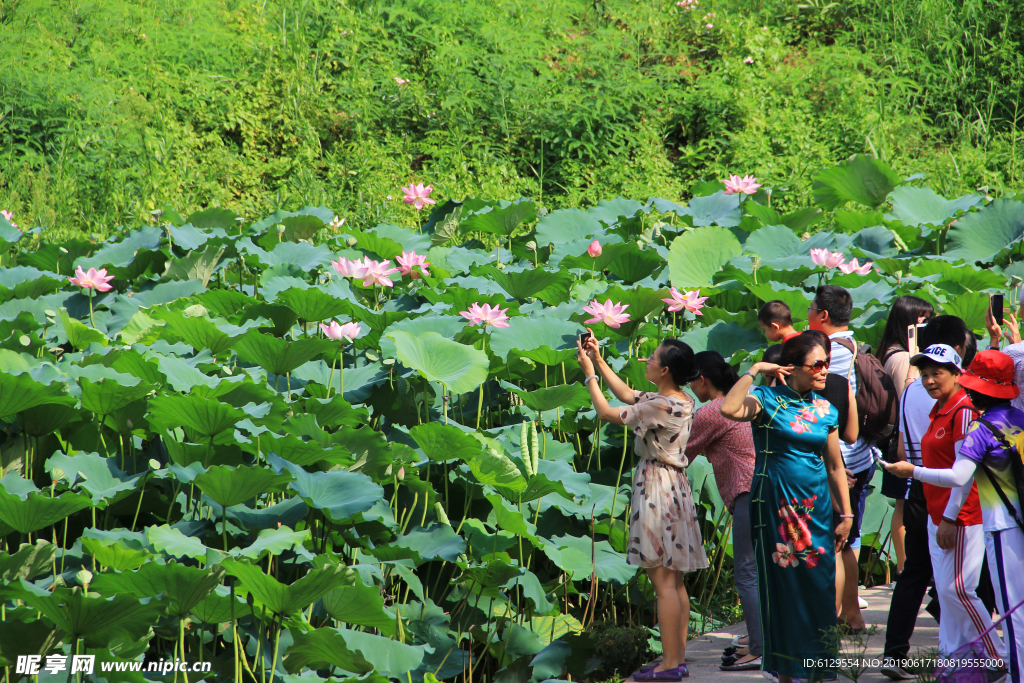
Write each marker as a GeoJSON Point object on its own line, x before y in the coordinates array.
{"type": "Point", "coordinates": [704, 654]}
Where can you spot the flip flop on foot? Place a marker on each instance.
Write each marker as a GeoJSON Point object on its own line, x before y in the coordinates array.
{"type": "Point", "coordinates": [664, 676]}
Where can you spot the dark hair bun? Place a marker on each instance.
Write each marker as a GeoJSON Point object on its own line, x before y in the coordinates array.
{"type": "Point", "coordinates": [678, 357]}
{"type": "Point", "coordinates": [712, 366]}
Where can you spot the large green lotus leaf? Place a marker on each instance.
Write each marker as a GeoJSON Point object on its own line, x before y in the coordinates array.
{"type": "Point", "coordinates": [98, 619]}
{"type": "Point", "coordinates": [568, 397]}
{"type": "Point", "coordinates": [206, 417]}
{"type": "Point", "coordinates": [199, 332]}
{"type": "Point", "coordinates": [862, 179]}
{"type": "Point", "coordinates": [278, 356]}
{"type": "Point", "coordinates": [284, 599]}
{"type": "Point", "coordinates": [57, 257]}
{"type": "Point", "coordinates": [27, 563]}
{"type": "Point", "coordinates": [608, 211]}
{"type": "Point", "coordinates": [340, 494]}
{"type": "Point", "coordinates": [229, 486]}
{"type": "Point", "coordinates": [501, 220]}
{"type": "Point", "coordinates": [78, 334]}
{"type": "Point", "coordinates": [509, 518]}
{"type": "Point", "coordinates": [361, 605]}
{"type": "Point", "coordinates": [100, 476]}
{"type": "Point", "coordinates": [336, 412]}
{"type": "Point", "coordinates": [634, 264]}
{"type": "Point", "coordinates": [445, 442]}
{"type": "Point", "coordinates": [406, 238]}
{"type": "Point", "coordinates": [550, 286]}
{"type": "Point", "coordinates": [422, 545]}
{"type": "Point", "coordinates": [108, 395]}
{"type": "Point", "coordinates": [970, 308]}
{"type": "Point", "coordinates": [124, 251]}
{"type": "Point", "coordinates": [696, 255]}
{"type": "Point", "coordinates": [183, 587]}
{"type": "Point", "coordinates": [173, 542]}
{"type": "Point", "coordinates": [313, 304]}
{"type": "Point", "coordinates": [448, 326]}
{"type": "Point", "coordinates": [600, 557]}
{"type": "Point", "coordinates": [273, 541]}
{"type": "Point", "coordinates": [45, 418]}
{"type": "Point", "coordinates": [611, 248]}
{"type": "Point", "coordinates": [289, 512]}
{"type": "Point", "coordinates": [801, 219]}
{"type": "Point", "coordinates": [922, 206]}
{"type": "Point", "coordinates": [181, 376]}
{"type": "Point", "coordinates": [719, 209]}
{"type": "Point", "coordinates": [493, 468]}
{"type": "Point", "coordinates": [459, 367]}
{"type": "Point", "coordinates": [290, 448]}
{"type": "Point", "coordinates": [795, 297]}
{"type": "Point", "coordinates": [20, 392]}
{"type": "Point", "coordinates": [24, 282]}
{"type": "Point", "coordinates": [301, 227]}
{"type": "Point", "coordinates": [18, 637]}
{"type": "Point", "coordinates": [982, 235]}
{"type": "Point", "coordinates": [726, 338]}
{"type": "Point", "coordinates": [854, 221]}
{"type": "Point", "coordinates": [215, 608]}
{"type": "Point", "coordinates": [302, 254]}
{"type": "Point", "coordinates": [324, 648]}
{"type": "Point", "coordinates": [114, 555]}
{"type": "Point", "coordinates": [968, 278]}
{"type": "Point", "coordinates": [214, 218]}
{"type": "Point", "coordinates": [32, 510]}
{"type": "Point", "coordinates": [195, 265]}
{"type": "Point", "coordinates": [772, 242]}
{"type": "Point", "coordinates": [566, 225]}
{"type": "Point", "coordinates": [545, 339]}
{"type": "Point", "coordinates": [226, 303]}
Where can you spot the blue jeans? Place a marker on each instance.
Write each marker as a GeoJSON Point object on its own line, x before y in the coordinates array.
{"type": "Point", "coordinates": [745, 571]}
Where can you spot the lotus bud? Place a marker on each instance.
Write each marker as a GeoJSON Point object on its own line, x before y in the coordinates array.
{"type": "Point", "coordinates": [594, 249]}
{"type": "Point", "coordinates": [401, 473]}
{"type": "Point", "coordinates": [806, 236]}
{"type": "Point", "coordinates": [541, 212]}
{"type": "Point", "coordinates": [442, 516]}
{"type": "Point", "coordinates": [524, 449]}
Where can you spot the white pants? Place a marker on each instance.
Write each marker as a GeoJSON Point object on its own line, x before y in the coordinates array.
{"type": "Point", "coordinates": [956, 573]}
{"type": "Point", "coordinates": [1005, 550]}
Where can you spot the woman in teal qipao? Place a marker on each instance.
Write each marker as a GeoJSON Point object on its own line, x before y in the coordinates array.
{"type": "Point", "coordinates": [798, 472]}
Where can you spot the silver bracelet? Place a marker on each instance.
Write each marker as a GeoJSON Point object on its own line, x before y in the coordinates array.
{"type": "Point", "coordinates": [590, 378]}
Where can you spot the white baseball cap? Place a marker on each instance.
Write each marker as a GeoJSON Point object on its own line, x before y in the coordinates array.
{"type": "Point", "coordinates": [939, 353]}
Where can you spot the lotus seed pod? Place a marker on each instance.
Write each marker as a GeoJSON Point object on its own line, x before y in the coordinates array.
{"type": "Point", "coordinates": [442, 516]}
{"type": "Point", "coordinates": [57, 474]}
{"type": "Point", "coordinates": [351, 241]}
{"type": "Point", "coordinates": [84, 577]}
{"type": "Point", "coordinates": [524, 449]}
{"type": "Point", "coordinates": [154, 464]}
{"type": "Point", "coordinates": [542, 211]}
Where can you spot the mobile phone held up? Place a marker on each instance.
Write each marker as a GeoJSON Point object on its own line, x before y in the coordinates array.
{"type": "Point", "coordinates": [997, 308]}
{"type": "Point", "coordinates": [584, 337]}
{"type": "Point", "coordinates": [912, 340]}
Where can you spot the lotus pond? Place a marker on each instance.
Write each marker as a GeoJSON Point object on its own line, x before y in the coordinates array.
{"type": "Point", "coordinates": [260, 445]}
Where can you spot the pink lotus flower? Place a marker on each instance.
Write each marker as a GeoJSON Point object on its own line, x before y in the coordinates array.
{"type": "Point", "coordinates": [353, 269]}
{"type": "Point", "coordinates": [691, 301]}
{"type": "Point", "coordinates": [736, 185]}
{"type": "Point", "coordinates": [748, 60]}
{"type": "Point", "coordinates": [400, 81]}
{"type": "Point", "coordinates": [823, 257]}
{"type": "Point", "coordinates": [9, 217]}
{"type": "Point", "coordinates": [377, 273]}
{"type": "Point", "coordinates": [417, 195]}
{"type": "Point", "coordinates": [338, 332]}
{"type": "Point", "coordinates": [94, 279]}
{"type": "Point", "coordinates": [853, 267]}
{"type": "Point", "coordinates": [709, 26]}
{"type": "Point", "coordinates": [409, 261]}
{"type": "Point", "coordinates": [608, 313]}
{"type": "Point", "coordinates": [495, 317]}
{"type": "Point", "coordinates": [594, 249]}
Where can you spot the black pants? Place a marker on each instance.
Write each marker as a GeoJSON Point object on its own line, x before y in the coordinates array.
{"type": "Point", "coordinates": [913, 583]}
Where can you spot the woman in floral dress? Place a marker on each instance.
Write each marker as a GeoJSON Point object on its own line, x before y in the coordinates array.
{"type": "Point", "coordinates": [664, 536]}
{"type": "Point", "coordinates": [798, 471]}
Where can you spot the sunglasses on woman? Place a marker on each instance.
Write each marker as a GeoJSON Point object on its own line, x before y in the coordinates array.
{"type": "Point", "coordinates": [818, 365]}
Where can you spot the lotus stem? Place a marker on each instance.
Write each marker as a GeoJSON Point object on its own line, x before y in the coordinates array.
{"type": "Point", "coordinates": [618, 479]}
{"type": "Point", "coordinates": [142, 492]}
{"type": "Point", "coordinates": [330, 381]}
{"type": "Point", "coordinates": [91, 318]}
{"type": "Point", "coordinates": [288, 382]}
{"type": "Point", "coordinates": [273, 666]}
{"type": "Point", "coordinates": [341, 370]}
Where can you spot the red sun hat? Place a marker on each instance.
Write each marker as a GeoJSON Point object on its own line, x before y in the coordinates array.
{"type": "Point", "coordinates": [991, 373]}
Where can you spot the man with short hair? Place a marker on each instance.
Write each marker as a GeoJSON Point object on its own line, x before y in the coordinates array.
{"type": "Point", "coordinates": [830, 313]}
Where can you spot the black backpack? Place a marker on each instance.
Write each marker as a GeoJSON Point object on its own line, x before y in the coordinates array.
{"type": "Point", "coordinates": [877, 399]}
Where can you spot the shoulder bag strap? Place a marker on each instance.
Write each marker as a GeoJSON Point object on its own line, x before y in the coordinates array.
{"type": "Point", "coordinates": [991, 475]}
{"type": "Point", "coordinates": [906, 429]}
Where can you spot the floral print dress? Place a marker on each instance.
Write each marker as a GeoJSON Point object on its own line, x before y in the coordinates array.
{"type": "Point", "coordinates": [791, 520]}
{"type": "Point", "coordinates": [663, 528]}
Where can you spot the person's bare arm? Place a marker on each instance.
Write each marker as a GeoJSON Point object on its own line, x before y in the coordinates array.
{"type": "Point", "coordinates": [614, 382]}
{"type": "Point", "coordinates": [605, 412]}
{"type": "Point", "coordinates": [837, 484]}
{"type": "Point", "coordinates": [740, 407]}
{"type": "Point", "coordinates": [852, 430]}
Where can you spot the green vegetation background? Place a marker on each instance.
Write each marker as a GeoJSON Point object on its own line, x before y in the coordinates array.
{"type": "Point", "coordinates": [110, 109]}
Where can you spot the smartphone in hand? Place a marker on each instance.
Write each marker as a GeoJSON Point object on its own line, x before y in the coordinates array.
{"type": "Point", "coordinates": [912, 340]}
{"type": "Point", "coordinates": [997, 308]}
{"type": "Point", "coordinates": [584, 337]}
